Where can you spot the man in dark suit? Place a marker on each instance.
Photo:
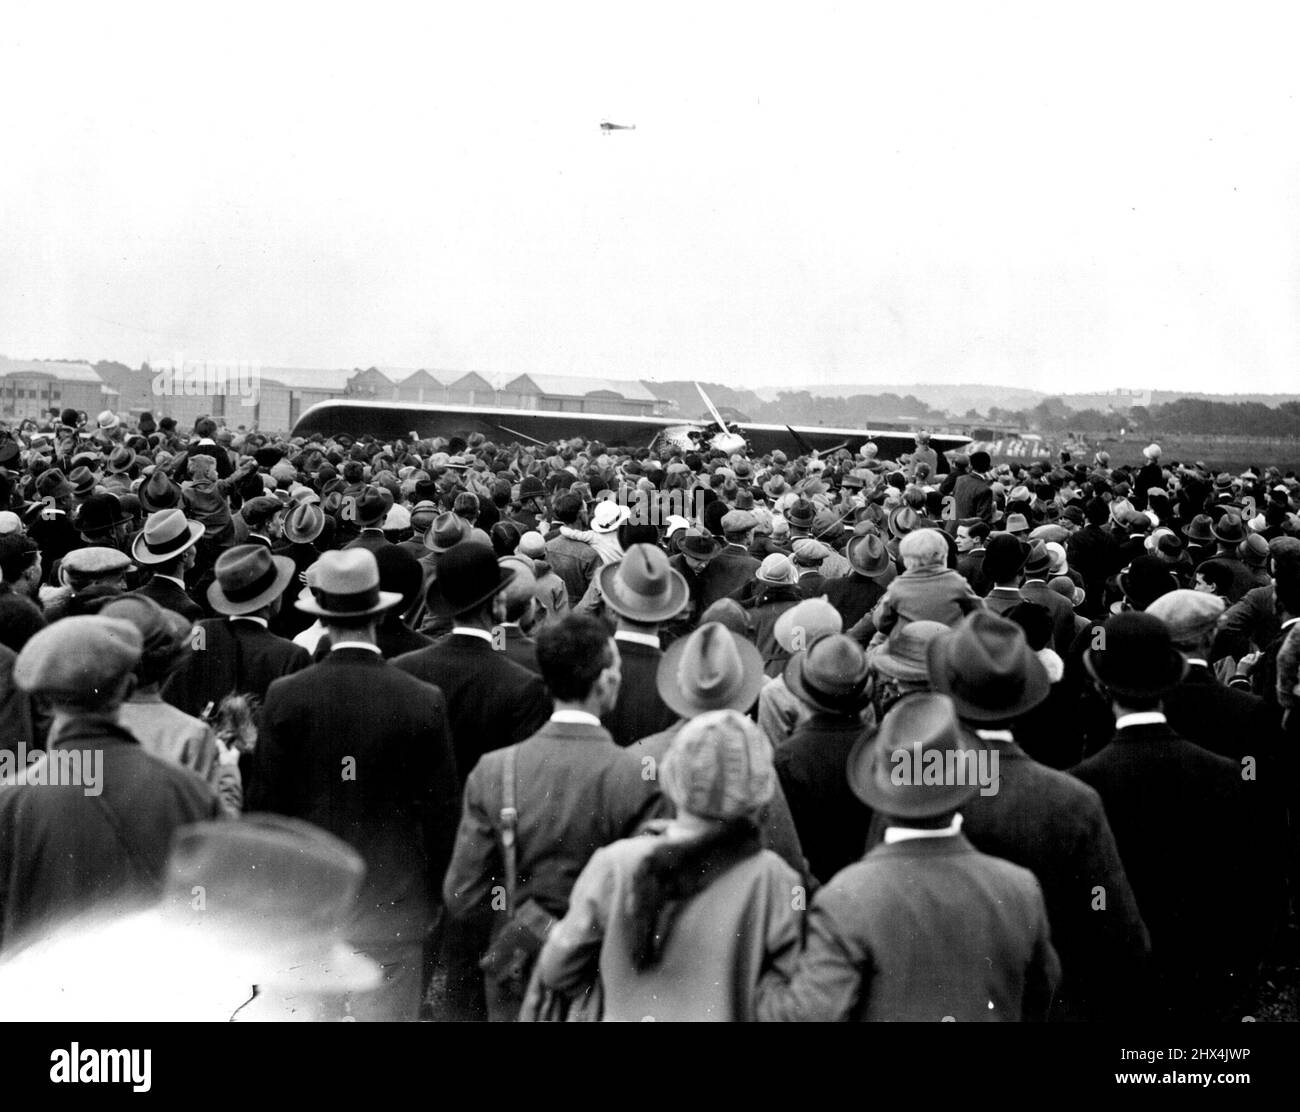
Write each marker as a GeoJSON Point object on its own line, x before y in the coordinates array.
{"type": "Point", "coordinates": [166, 546]}
{"type": "Point", "coordinates": [855, 595]}
{"type": "Point", "coordinates": [830, 677]}
{"type": "Point", "coordinates": [91, 820]}
{"type": "Point", "coordinates": [363, 750]}
{"type": "Point", "coordinates": [1094, 553]}
{"type": "Point", "coordinates": [971, 537]}
{"type": "Point", "coordinates": [575, 791]}
{"type": "Point", "coordinates": [491, 701]}
{"type": "Point", "coordinates": [1043, 819]}
{"type": "Point", "coordinates": [368, 510]}
{"type": "Point", "coordinates": [1034, 588]}
{"type": "Point", "coordinates": [924, 900]}
{"type": "Point", "coordinates": [972, 495]}
{"type": "Point", "coordinates": [641, 590]}
{"type": "Point", "coordinates": [237, 653]}
{"type": "Point", "coordinates": [1186, 826]}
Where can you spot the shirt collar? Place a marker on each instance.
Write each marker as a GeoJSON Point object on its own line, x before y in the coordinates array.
{"type": "Point", "coordinates": [470, 631]}
{"type": "Point", "coordinates": [356, 645]}
{"type": "Point", "coordinates": [651, 639]}
{"type": "Point", "coordinates": [1140, 718]}
{"type": "Point", "coordinates": [250, 618]}
{"type": "Point", "coordinates": [1290, 622]}
{"type": "Point", "coordinates": [996, 735]}
{"type": "Point", "coordinates": [1197, 660]}
{"type": "Point", "coordinates": [171, 579]}
{"type": "Point", "coordinates": [908, 833]}
{"type": "Point", "coordinates": [575, 717]}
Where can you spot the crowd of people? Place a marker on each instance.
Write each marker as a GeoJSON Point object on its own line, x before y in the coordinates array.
{"type": "Point", "coordinates": [449, 728]}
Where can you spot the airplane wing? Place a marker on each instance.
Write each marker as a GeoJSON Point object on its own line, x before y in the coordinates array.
{"type": "Point", "coordinates": [390, 420]}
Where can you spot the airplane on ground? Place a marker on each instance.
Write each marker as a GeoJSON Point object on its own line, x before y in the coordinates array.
{"type": "Point", "coordinates": [390, 420]}
{"type": "Point", "coordinates": [606, 126]}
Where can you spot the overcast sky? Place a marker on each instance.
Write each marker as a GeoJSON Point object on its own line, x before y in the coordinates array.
{"type": "Point", "coordinates": [1077, 198]}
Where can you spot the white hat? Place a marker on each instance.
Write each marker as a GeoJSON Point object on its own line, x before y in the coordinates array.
{"type": "Point", "coordinates": [608, 516]}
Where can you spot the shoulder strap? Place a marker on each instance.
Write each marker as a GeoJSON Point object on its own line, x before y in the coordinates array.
{"type": "Point", "coordinates": [509, 824]}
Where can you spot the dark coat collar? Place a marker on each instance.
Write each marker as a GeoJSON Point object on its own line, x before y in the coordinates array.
{"type": "Point", "coordinates": [91, 731]}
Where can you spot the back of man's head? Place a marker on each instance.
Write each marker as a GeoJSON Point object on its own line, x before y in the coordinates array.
{"type": "Point", "coordinates": [572, 653]}
{"type": "Point", "coordinates": [567, 508]}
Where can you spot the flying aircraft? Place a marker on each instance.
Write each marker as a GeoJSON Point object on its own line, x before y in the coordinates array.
{"type": "Point", "coordinates": [607, 126]}
{"type": "Point", "coordinates": [389, 420]}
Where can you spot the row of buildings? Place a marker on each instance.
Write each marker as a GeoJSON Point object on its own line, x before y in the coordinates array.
{"type": "Point", "coordinates": [273, 398]}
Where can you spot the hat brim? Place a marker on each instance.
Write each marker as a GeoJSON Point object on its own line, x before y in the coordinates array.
{"type": "Point", "coordinates": [798, 685]}
{"type": "Point", "coordinates": [285, 570]}
{"type": "Point", "coordinates": [921, 802]}
{"type": "Point", "coordinates": [141, 555]}
{"type": "Point", "coordinates": [387, 600]}
{"type": "Point", "coordinates": [1172, 670]}
{"type": "Point", "coordinates": [296, 537]}
{"type": "Point", "coordinates": [688, 705]}
{"type": "Point", "coordinates": [636, 609]}
{"type": "Point", "coordinates": [941, 668]}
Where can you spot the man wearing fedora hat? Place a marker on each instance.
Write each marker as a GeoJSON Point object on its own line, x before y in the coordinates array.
{"type": "Point", "coordinates": [491, 700]}
{"type": "Point", "coordinates": [1034, 588]}
{"type": "Point", "coordinates": [643, 591]}
{"type": "Point", "coordinates": [831, 677]}
{"type": "Point", "coordinates": [1042, 818]}
{"type": "Point", "coordinates": [975, 923]}
{"type": "Point", "coordinates": [166, 547]}
{"type": "Point", "coordinates": [368, 509]}
{"type": "Point", "coordinates": [236, 652]}
{"type": "Point", "coordinates": [855, 595]}
{"type": "Point", "coordinates": [1229, 533]}
{"type": "Point", "coordinates": [1185, 824]}
{"type": "Point", "coordinates": [364, 750]}
{"type": "Point", "coordinates": [780, 710]}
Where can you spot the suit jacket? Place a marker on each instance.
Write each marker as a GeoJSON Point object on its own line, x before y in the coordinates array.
{"type": "Point", "coordinates": [1252, 620]}
{"type": "Point", "coordinates": [231, 655]}
{"type": "Point", "coordinates": [521, 648]}
{"type": "Point", "coordinates": [371, 539]}
{"type": "Point", "coordinates": [1186, 824]}
{"type": "Point", "coordinates": [1058, 606]}
{"type": "Point", "coordinates": [922, 930]}
{"type": "Point", "coordinates": [1056, 827]}
{"type": "Point", "coordinates": [170, 596]}
{"type": "Point", "coordinates": [729, 571]}
{"type": "Point", "coordinates": [973, 497]}
{"type": "Point", "coordinates": [639, 711]}
{"type": "Point", "coordinates": [354, 712]}
{"type": "Point", "coordinates": [832, 822]}
{"type": "Point", "coordinates": [63, 852]}
{"type": "Point", "coordinates": [492, 702]}
{"type": "Point", "coordinates": [971, 566]}
{"type": "Point", "coordinates": [853, 595]}
{"type": "Point", "coordinates": [575, 791]}
{"type": "Point", "coordinates": [1094, 554]}
{"type": "Point", "coordinates": [1222, 719]}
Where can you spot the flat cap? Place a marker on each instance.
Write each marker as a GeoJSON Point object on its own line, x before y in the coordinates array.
{"type": "Point", "coordinates": [738, 521]}
{"type": "Point", "coordinates": [97, 560]}
{"type": "Point", "coordinates": [1189, 615]}
{"type": "Point", "coordinates": [808, 551]}
{"type": "Point", "coordinates": [78, 658]}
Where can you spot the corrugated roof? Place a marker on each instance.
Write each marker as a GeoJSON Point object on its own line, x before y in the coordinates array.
{"type": "Point", "coordinates": [308, 377]}
{"type": "Point", "coordinates": [577, 386]}
{"type": "Point", "coordinates": [64, 372]}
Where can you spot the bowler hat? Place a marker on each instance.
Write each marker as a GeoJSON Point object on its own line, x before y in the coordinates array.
{"type": "Point", "coordinates": [988, 668]}
{"type": "Point", "coordinates": [1136, 656]}
{"type": "Point", "coordinates": [531, 487]}
{"type": "Point", "coordinates": [802, 514]}
{"type": "Point", "coordinates": [101, 512]}
{"type": "Point", "coordinates": [468, 575]}
{"type": "Point", "coordinates": [891, 771]}
{"type": "Point", "coordinates": [643, 586]}
{"type": "Point", "coordinates": [1145, 580]}
{"type": "Point", "coordinates": [711, 669]}
{"type": "Point", "coordinates": [830, 675]}
{"type": "Point", "coordinates": [1004, 556]}
{"type": "Point", "coordinates": [248, 578]}
{"type": "Point", "coordinates": [166, 534]}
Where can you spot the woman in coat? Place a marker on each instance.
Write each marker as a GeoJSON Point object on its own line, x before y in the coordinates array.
{"type": "Point", "coordinates": [684, 923]}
